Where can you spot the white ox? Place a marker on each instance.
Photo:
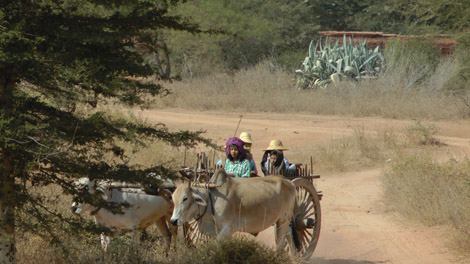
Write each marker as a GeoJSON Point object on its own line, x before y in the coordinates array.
{"type": "Point", "coordinates": [238, 204]}
{"type": "Point", "coordinates": [144, 210]}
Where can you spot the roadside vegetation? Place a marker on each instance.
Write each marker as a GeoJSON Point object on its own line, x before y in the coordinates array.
{"type": "Point", "coordinates": [86, 248]}
{"type": "Point", "coordinates": [418, 183]}
{"type": "Point", "coordinates": [432, 193]}
{"type": "Point", "coordinates": [61, 61]}
{"type": "Point", "coordinates": [412, 85]}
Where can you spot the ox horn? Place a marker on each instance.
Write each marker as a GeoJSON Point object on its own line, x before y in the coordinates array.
{"type": "Point", "coordinates": [205, 185]}
{"type": "Point", "coordinates": [167, 185]}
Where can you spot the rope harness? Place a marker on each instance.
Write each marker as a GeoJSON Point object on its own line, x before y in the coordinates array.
{"type": "Point", "coordinates": [211, 203]}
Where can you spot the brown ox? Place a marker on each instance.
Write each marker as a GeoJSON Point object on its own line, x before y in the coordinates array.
{"type": "Point", "coordinates": [238, 204]}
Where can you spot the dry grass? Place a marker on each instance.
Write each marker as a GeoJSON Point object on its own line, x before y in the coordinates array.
{"type": "Point", "coordinates": [363, 149]}
{"type": "Point", "coordinates": [86, 248]}
{"type": "Point", "coordinates": [266, 88]}
{"type": "Point", "coordinates": [240, 250]}
{"type": "Point", "coordinates": [422, 134]}
{"type": "Point", "coordinates": [432, 193]}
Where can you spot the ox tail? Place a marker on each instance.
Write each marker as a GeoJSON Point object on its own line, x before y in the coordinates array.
{"type": "Point", "coordinates": [293, 224]}
{"type": "Point", "coordinates": [295, 236]}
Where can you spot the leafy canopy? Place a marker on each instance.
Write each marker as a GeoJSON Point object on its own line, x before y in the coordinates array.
{"type": "Point", "coordinates": [255, 30]}
{"type": "Point", "coordinates": [58, 57]}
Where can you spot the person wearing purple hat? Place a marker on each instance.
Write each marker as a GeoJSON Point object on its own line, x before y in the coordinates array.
{"type": "Point", "coordinates": [236, 163]}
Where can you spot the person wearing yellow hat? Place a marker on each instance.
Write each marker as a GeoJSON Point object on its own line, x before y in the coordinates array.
{"type": "Point", "coordinates": [246, 138]}
{"type": "Point", "coordinates": [274, 146]}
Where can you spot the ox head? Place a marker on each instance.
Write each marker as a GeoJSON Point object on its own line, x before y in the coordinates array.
{"type": "Point", "coordinates": [189, 204]}
{"type": "Point", "coordinates": [83, 184]}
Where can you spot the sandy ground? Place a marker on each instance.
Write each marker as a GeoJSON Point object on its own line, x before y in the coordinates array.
{"type": "Point", "coordinates": [357, 228]}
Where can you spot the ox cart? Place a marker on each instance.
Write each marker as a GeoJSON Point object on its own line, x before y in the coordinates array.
{"type": "Point", "coordinates": [306, 221]}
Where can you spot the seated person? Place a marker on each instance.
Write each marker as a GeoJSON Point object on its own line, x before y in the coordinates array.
{"type": "Point", "coordinates": [246, 138]}
{"type": "Point", "coordinates": [236, 163]}
{"type": "Point", "coordinates": [276, 165]}
{"type": "Point", "coordinates": [276, 144]}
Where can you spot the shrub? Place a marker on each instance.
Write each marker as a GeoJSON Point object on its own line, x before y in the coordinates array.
{"type": "Point", "coordinates": [422, 134]}
{"type": "Point", "coordinates": [414, 60]}
{"type": "Point", "coordinates": [232, 251]}
{"type": "Point", "coordinates": [325, 64]}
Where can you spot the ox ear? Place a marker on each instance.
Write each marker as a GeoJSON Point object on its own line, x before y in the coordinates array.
{"type": "Point", "coordinates": [199, 200]}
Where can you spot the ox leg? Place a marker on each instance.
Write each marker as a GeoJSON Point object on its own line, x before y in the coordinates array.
{"type": "Point", "coordinates": [136, 237]}
{"type": "Point", "coordinates": [173, 231]}
{"type": "Point", "coordinates": [283, 234]}
{"type": "Point", "coordinates": [290, 239]}
{"type": "Point", "coordinates": [105, 241]}
{"type": "Point", "coordinates": [280, 234]}
{"type": "Point", "coordinates": [163, 229]}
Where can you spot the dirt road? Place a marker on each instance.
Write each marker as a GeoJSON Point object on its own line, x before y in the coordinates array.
{"type": "Point", "coordinates": [356, 226]}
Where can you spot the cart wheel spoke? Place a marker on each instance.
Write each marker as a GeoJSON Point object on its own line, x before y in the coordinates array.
{"type": "Point", "coordinates": [310, 214]}
{"type": "Point", "coordinates": [192, 234]}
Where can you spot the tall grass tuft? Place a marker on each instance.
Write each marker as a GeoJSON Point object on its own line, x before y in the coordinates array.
{"type": "Point", "coordinates": [432, 193]}
{"type": "Point", "coordinates": [361, 150]}
{"type": "Point", "coordinates": [422, 134]}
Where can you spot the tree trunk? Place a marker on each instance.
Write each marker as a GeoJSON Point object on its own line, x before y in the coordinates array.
{"type": "Point", "coordinates": [160, 45]}
{"type": "Point", "coordinates": [7, 181]}
{"type": "Point", "coordinates": [7, 216]}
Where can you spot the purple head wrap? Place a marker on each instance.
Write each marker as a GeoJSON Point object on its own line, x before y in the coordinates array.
{"type": "Point", "coordinates": [239, 144]}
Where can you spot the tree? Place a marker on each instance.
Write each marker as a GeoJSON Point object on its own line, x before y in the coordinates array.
{"type": "Point", "coordinates": [254, 30]}
{"type": "Point", "coordinates": [55, 57]}
{"type": "Point", "coordinates": [439, 16]}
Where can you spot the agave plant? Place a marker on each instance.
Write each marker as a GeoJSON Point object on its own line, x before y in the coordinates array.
{"type": "Point", "coordinates": [331, 63]}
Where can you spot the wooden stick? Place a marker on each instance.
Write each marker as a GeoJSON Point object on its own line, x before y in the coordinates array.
{"type": "Point", "coordinates": [239, 121]}
{"type": "Point", "coordinates": [196, 167]}
{"type": "Point", "coordinates": [311, 164]}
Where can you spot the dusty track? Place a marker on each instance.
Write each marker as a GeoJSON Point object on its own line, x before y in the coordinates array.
{"type": "Point", "coordinates": [356, 226]}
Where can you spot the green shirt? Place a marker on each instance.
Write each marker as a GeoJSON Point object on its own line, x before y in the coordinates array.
{"type": "Point", "coordinates": [238, 169]}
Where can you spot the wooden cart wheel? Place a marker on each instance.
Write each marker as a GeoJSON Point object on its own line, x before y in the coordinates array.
{"type": "Point", "coordinates": [192, 235]}
{"type": "Point", "coordinates": [306, 219]}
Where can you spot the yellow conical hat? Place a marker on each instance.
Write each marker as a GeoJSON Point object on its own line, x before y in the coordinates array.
{"type": "Point", "coordinates": [276, 144]}
{"type": "Point", "coordinates": [245, 137]}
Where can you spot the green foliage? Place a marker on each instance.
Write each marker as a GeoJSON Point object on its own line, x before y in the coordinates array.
{"type": "Point", "coordinates": [254, 30]}
{"type": "Point", "coordinates": [57, 57]}
{"type": "Point", "coordinates": [336, 14]}
{"type": "Point", "coordinates": [442, 16]}
{"type": "Point", "coordinates": [378, 15]}
{"type": "Point", "coordinates": [329, 63]}
{"type": "Point", "coordinates": [406, 17]}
